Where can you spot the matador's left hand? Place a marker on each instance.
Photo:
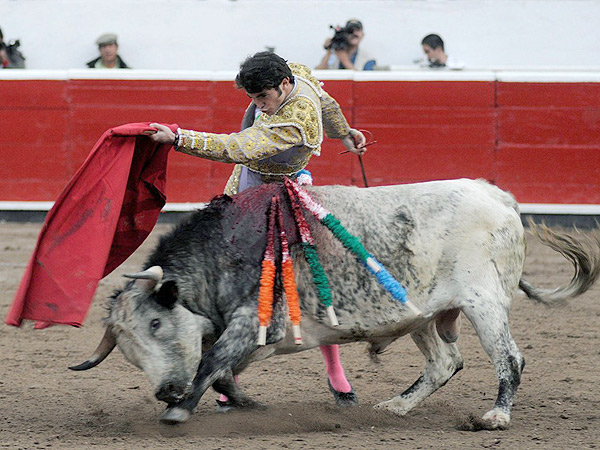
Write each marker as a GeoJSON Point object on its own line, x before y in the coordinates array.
{"type": "Point", "coordinates": [355, 142]}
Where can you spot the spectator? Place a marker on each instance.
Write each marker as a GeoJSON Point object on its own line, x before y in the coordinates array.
{"type": "Point", "coordinates": [343, 51]}
{"type": "Point", "coordinates": [109, 57]}
{"type": "Point", "coordinates": [10, 56]}
{"type": "Point", "coordinates": [433, 46]}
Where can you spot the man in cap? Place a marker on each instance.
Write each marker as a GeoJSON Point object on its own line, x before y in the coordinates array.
{"type": "Point", "coordinates": [109, 58]}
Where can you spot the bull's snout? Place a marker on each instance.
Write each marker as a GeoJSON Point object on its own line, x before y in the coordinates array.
{"type": "Point", "coordinates": [171, 392]}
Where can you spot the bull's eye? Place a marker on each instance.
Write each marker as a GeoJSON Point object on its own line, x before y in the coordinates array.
{"type": "Point", "coordinates": [154, 325]}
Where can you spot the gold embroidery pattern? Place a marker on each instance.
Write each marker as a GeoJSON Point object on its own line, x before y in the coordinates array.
{"type": "Point", "coordinates": [300, 112]}
{"type": "Point", "coordinates": [252, 144]}
{"type": "Point", "coordinates": [233, 184]}
{"type": "Point", "coordinates": [302, 71]}
{"type": "Point", "coordinates": [335, 124]}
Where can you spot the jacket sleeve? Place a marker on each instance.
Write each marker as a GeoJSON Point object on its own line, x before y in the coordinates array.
{"type": "Point", "coordinates": [335, 124]}
{"type": "Point", "coordinates": [252, 144]}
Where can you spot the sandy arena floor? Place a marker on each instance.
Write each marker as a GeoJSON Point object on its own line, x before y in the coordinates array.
{"type": "Point", "coordinates": [45, 405]}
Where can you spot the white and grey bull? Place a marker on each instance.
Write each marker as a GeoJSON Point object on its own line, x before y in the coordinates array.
{"type": "Point", "coordinates": [190, 320]}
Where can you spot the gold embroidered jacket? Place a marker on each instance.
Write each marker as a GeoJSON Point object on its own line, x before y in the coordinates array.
{"type": "Point", "coordinates": [299, 123]}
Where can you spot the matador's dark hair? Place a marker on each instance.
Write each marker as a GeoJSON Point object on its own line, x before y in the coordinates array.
{"type": "Point", "coordinates": [263, 70]}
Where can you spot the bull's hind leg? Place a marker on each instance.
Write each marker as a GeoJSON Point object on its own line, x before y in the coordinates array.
{"type": "Point", "coordinates": [491, 326]}
{"type": "Point", "coordinates": [443, 361]}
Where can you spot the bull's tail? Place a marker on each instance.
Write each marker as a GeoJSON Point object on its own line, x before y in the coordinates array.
{"type": "Point", "coordinates": [582, 251]}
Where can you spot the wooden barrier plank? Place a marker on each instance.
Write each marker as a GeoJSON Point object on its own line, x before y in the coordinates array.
{"type": "Point", "coordinates": [34, 128]}
{"type": "Point", "coordinates": [479, 131]}
{"type": "Point", "coordinates": [155, 93]}
{"type": "Point", "coordinates": [424, 93]}
{"type": "Point", "coordinates": [26, 164]}
{"type": "Point", "coordinates": [394, 164]}
{"type": "Point", "coordinates": [88, 123]}
{"type": "Point", "coordinates": [574, 193]}
{"type": "Point", "coordinates": [566, 165]}
{"type": "Point", "coordinates": [549, 126]}
{"type": "Point", "coordinates": [33, 94]}
{"type": "Point", "coordinates": [543, 95]}
{"type": "Point", "coordinates": [31, 190]}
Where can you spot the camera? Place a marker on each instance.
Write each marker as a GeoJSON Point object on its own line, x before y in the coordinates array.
{"type": "Point", "coordinates": [339, 41]}
{"type": "Point", "coordinates": [11, 47]}
{"type": "Point", "coordinates": [16, 58]}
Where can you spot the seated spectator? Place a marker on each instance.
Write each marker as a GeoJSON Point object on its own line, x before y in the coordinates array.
{"type": "Point", "coordinates": [343, 51]}
{"type": "Point", "coordinates": [433, 46]}
{"type": "Point", "coordinates": [109, 57]}
{"type": "Point", "coordinates": [10, 56]}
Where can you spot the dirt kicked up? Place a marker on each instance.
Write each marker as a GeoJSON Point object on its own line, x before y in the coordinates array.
{"type": "Point", "coordinates": [44, 405]}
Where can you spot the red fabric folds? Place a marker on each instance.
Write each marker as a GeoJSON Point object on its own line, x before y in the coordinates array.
{"type": "Point", "coordinates": [102, 216]}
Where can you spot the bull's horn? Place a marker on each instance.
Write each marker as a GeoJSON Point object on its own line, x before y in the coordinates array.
{"type": "Point", "coordinates": [104, 348]}
{"type": "Point", "coordinates": [148, 279]}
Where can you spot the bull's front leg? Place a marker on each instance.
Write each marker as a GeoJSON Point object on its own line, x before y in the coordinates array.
{"type": "Point", "coordinates": [234, 396]}
{"type": "Point", "coordinates": [233, 346]}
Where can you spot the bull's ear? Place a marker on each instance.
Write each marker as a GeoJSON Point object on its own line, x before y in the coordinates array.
{"type": "Point", "coordinates": [167, 294]}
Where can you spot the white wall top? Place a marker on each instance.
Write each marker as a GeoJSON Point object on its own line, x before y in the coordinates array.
{"type": "Point", "coordinates": [216, 35]}
{"type": "Point", "coordinates": [324, 75]}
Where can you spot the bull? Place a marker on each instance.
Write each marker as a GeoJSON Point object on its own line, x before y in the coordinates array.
{"type": "Point", "coordinates": [189, 319]}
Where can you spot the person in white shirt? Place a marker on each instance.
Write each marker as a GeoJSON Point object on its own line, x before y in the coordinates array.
{"type": "Point", "coordinates": [433, 46]}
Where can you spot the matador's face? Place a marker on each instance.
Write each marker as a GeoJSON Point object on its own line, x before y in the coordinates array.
{"type": "Point", "coordinates": [268, 101]}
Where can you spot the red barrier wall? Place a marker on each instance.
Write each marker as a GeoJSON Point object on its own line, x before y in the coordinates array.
{"type": "Point", "coordinates": [548, 144]}
{"type": "Point", "coordinates": [541, 141]}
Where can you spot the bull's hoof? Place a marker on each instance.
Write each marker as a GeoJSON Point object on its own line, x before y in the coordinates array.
{"type": "Point", "coordinates": [223, 407]}
{"type": "Point", "coordinates": [343, 399]}
{"type": "Point", "coordinates": [175, 415]}
{"type": "Point", "coordinates": [491, 420]}
{"type": "Point", "coordinates": [495, 420]}
{"type": "Point", "coordinates": [395, 406]}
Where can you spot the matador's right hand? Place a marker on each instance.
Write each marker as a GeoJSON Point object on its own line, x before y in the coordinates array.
{"type": "Point", "coordinates": [162, 134]}
{"type": "Point", "coordinates": [355, 142]}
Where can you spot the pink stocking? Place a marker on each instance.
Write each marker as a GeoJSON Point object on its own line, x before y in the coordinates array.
{"type": "Point", "coordinates": [335, 371]}
{"type": "Point", "coordinates": [223, 397]}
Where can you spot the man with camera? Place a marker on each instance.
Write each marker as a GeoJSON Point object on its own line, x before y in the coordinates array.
{"type": "Point", "coordinates": [343, 51]}
{"type": "Point", "coordinates": [10, 56]}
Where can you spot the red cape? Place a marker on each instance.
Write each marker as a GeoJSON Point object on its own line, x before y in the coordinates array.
{"type": "Point", "coordinates": [103, 215]}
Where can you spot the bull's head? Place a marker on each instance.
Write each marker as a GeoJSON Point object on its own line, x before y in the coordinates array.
{"type": "Point", "coordinates": [155, 332]}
